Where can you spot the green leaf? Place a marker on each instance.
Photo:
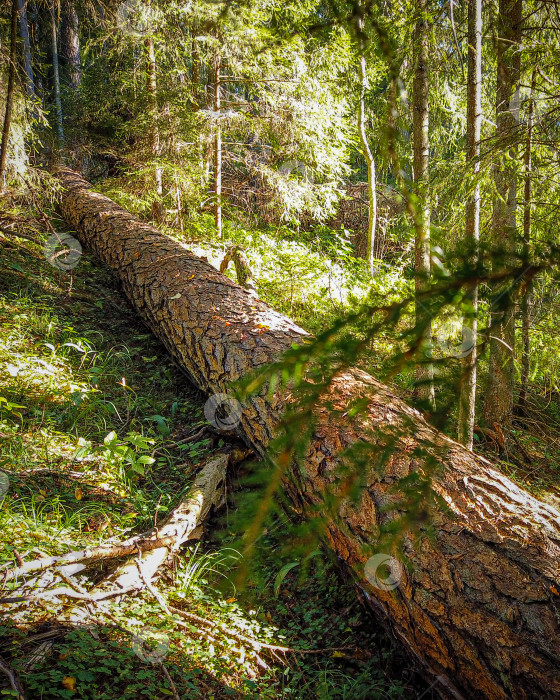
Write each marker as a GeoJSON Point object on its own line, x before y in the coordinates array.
{"type": "Point", "coordinates": [281, 575]}
{"type": "Point", "coordinates": [110, 438]}
{"type": "Point", "coordinates": [162, 426]}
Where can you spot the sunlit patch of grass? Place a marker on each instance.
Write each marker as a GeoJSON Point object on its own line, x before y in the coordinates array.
{"type": "Point", "coordinates": [67, 380]}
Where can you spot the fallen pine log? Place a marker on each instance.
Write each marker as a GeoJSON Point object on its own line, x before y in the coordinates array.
{"type": "Point", "coordinates": [479, 607]}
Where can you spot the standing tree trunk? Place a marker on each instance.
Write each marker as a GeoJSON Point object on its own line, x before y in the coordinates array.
{"type": "Point", "coordinates": [56, 75]}
{"type": "Point", "coordinates": [195, 82]}
{"type": "Point", "coordinates": [9, 95]}
{"type": "Point", "coordinates": [421, 147]}
{"type": "Point", "coordinates": [467, 397]}
{"type": "Point", "coordinates": [218, 146]}
{"type": "Point", "coordinates": [478, 608]}
{"type": "Point", "coordinates": [366, 150]}
{"type": "Point", "coordinates": [33, 22]}
{"type": "Point", "coordinates": [27, 62]}
{"type": "Point", "coordinates": [498, 406]}
{"type": "Point", "coordinates": [151, 89]}
{"type": "Point", "coordinates": [526, 299]}
{"type": "Point", "coordinates": [197, 98]}
{"type": "Point", "coordinates": [70, 43]}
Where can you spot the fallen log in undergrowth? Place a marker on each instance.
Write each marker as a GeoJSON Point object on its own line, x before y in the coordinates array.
{"type": "Point", "coordinates": [479, 606]}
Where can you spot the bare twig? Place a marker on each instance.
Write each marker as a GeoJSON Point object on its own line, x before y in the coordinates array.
{"type": "Point", "coordinates": [253, 642]}
{"type": "Point", "coordinates": [13, 678]}
{"type": "Point", "coordinates": [176, 695]}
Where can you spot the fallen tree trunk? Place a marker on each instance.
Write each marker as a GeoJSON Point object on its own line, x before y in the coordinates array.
{"type": "Point", "coordinates": [133, 575]}
{"type": "Point", "coordinates": [156, 544]}
{"type": "Point", "coordinates": [181, 524]}
{"type": "Point", "coordinates": [479, 607]}
{"type": "Point", "coordinates": [138, 543]}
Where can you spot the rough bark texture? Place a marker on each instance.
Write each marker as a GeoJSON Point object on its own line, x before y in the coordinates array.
{"type": "Point", "coordinates": [70, 43]}
{"type": "Point", "coordinates": [155, 144]}
{"type": "Point", "coordinates": [526, 301]}
{"type": "Point", "coordinates": [9, 95]}
{"type": "Point", "coordinates": [56, 75]}
{"type": "Point", "coordinates": [479, 607]}
{"type": "Point", "coordinates": [218, 145]}
{"type": "Point", "coordinates": [27, 61]}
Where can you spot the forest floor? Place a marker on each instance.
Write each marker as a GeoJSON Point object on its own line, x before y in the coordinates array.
{"type": "Point", "coordinates": [100, 434]}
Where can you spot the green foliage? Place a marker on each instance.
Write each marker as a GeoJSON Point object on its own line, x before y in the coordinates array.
{"type": "Point", "coordinates": [100, 660]}
{"type": "Point", "coordinates": [196, 568]}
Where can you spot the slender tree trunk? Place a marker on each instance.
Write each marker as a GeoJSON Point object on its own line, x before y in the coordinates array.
{"type": "Point", "coordinates": [198, 98]}
{"type": "Point", "coordinates": [151, 88]}
{"type": "Point", "coordinates": [100, 12]}
{"type": "Point", "coordinates": [9, 94]}
{"type": "Point", "coordinates": [27, 62]}
{"type": "Point", "coordinates": [370, 162]}
{"type": "Point", "coordinates": [33, 21]}
{"type": "Point", "coordinates": [218, 147]}
{"type": "Point", "coordinates": [421, 147]}
{"type": "Point", "coordinates": [526, 299]}
{"type": "Point", "coordinates": [467, 397]}
{"type": "Point", "coordinates": [498, 406]}
{"type": "Point", "coordinates": [178, 203]}
{"type": "Point", "coordinates": [195, 72]}
{"type": "Point", "coordinates": [56, 75]}
{"type": "Point", "coordinates": [478, 608]}
{"type": "Point", "coordinates": [70, 43]}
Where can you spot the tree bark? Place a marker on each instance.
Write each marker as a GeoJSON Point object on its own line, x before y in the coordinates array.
{"type": "Point", "coordinates": [526, 299]}
{"type": "Point", "coordinates": [421, 154]}
{"type": "Point", "coordinates": [70, 43]}
{"type": "Point", "coordinates": [9, 95]}
{"type": "Point", "coordinates": [33, 22]}
{"type": "Point", "coordinates": [218, 146]}
{"type": "Point", "coordinates": [498, 406]}
{"type": "Point", "coordinates": [151, 89]}
{"type": "Point", "coordinates": [479, 607]}
{"type": "Point", "coordinates": [467, 398]}
{"type": "Point", "coordinates": [27, 61]}
{"type": "Point", "coordinates": [366, 150]}
{"type": "Point", "coordinates": [56, 75]}
{"type": "Point", "coordinates": [242, 268]}
{"type": "Point", "coordinates": [195, 80]}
